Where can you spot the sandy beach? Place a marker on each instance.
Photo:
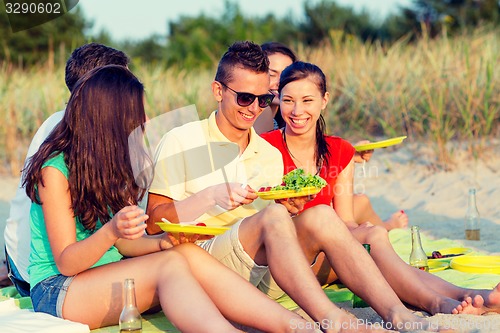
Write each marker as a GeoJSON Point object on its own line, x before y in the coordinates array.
{"type": "Point", "coordinates": [405, 177]}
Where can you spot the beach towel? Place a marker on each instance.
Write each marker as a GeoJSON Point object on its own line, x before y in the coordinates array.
{"type": "Point", "coordinates": [338, 293]}
{"type": "Point", "coordinates": [17, 316]}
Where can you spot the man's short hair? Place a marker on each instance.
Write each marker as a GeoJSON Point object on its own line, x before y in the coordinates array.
{"type": "Point", "coordinates": [89, 56]}
{"type": "Point", "coordinates": [246, 55]}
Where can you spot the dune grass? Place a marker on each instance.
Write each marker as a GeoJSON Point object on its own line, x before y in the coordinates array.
{"type": "Point", "coordinates": [437, 91]}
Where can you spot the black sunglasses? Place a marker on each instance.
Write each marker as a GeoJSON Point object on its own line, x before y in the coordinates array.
{"type": "Point", "coordinates": [246, 99]}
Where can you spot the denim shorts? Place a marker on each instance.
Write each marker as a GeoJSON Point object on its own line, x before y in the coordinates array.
{"type": "Point", "coordinates": [48, 295]}
{"type": "Point", "coordinates": [23, 287]}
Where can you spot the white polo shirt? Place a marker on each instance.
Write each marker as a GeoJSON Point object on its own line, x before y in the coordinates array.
{"type": "Point", "coordinates": [185, 163]}
{"type": "Point", "coordinates": [17, 229]}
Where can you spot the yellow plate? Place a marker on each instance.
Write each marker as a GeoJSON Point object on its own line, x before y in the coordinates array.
{"type": "Point", "coordinates": [192, 229]}
{"type": "Point", "coordinates": [380, 144]}
{"type": "Point", "coordinates": [477, 264]}
{"type": "Point", "coordinates": [450, 250]}
{"type": "Point", "coordinates": [436, 266]}
{"type": "Point", "coordinates": [283, 194]}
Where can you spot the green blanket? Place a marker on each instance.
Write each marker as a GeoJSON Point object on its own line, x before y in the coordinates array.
{"type": "Point", "coordinates": [336, 292]}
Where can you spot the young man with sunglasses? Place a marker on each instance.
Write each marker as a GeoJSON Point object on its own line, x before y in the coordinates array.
{"type": "Point", "coordinates": [207, 171]}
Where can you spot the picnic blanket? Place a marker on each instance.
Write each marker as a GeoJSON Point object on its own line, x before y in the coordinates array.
{"type": "Point", "coordinates": [154, 323]}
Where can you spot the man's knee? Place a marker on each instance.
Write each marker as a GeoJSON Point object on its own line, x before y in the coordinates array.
{"type": "Point", "coordinates": [320, 217]}
{"type": "Point", "coordinates": [275, 218]}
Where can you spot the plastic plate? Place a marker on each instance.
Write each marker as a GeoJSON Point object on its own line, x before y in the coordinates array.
{"type": "Point", "coordinates": [380, 144]}
{"type": "Point", "coordinates": [436, 266]}
{"type": "Point", "coordinates": [477, 264]}
{"type": "Point", "coordinates": [192, 229]}
{"type": "Point", "coordinates": [459, 251]}
{"type": "Point", "coordinates": [283, 194]}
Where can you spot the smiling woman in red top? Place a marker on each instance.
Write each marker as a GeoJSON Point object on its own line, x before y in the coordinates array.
{"type": "Point", "coordinates": [304, 144]}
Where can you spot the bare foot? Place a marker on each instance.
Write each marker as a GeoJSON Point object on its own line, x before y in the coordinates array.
{"type": "Point", "coordinates": [488, 301]}
{"type": "Point", "coordinates": [448, 305]}
{"type": "Point", "coordinates": [397, 220]}
{"type": "Point", "coordinates": [402, 320]}
{"type": "Point", "coordinates": [466, 307]}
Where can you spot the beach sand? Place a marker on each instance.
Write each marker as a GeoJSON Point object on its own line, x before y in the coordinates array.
{"type": "Point", "coordinates": [405, 177]}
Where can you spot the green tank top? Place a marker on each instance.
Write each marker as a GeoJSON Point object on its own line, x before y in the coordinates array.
{"type": "Point", "coordinates": [42, 264]}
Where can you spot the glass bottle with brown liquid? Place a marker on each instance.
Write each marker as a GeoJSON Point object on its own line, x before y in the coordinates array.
{"type": "Point", "coordinates": [418, 258]}
{"type": "Point", "coordinates": [130, 318]}
{"type": "Point", "coordinates": [472, 218]}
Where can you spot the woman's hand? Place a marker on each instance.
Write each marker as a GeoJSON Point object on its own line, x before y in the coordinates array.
{"type": "Point", "coordinates": [295, 205]}
{"type": "Point", "coordinates": [362, 156]}
{"type": "Point", "coordinates": [165, 242]}
{"type": "Point", "coordinates": [129, 223]}
{"type": "Point", "coordinates": [181, 238]}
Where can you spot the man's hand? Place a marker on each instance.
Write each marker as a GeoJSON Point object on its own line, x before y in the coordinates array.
{"type": "Point", "coordinates": [233, 195]}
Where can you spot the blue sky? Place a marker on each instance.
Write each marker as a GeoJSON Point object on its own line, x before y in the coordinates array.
{"type": "Point", "coordinates": [136, 19]}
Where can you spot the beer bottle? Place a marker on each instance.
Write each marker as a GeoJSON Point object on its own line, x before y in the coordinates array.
{"type": "Point", "coordinates": [418, 258]}
{"type": "Point", "coordinates": [130, 318]}
{"type": "Point", "coordinates": [472, 217]}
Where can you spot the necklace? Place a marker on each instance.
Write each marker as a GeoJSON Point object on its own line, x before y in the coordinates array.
{"type": "Point", "coordinates": [319, 163]}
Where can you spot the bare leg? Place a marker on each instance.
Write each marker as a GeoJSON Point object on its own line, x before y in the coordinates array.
{"type": "Point", "coordinates": [236, 298]}
{"type": "Point", "coordinates": [95, 296]}
{"type": "Point", "coordinates": [483, 300]}
{"type": "Point", "coordinates": [270, 238]}
{"type": "Point", "coordinates": [364, 212]}
{"type": "Point", "coordinates": [320, 229]}
{"type": "Point", "coordinates": [413, 286]}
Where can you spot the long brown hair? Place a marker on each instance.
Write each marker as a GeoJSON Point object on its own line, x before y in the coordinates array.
{"type": "Point", "coordinates": [106, 106]}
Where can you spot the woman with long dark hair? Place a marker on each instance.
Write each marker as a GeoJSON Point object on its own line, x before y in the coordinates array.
{"type": "Point", "coordinates": [85, 183]}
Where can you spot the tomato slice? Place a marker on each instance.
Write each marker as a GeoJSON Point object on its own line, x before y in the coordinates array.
{"type": "Point", "coordinates": [201, 224]}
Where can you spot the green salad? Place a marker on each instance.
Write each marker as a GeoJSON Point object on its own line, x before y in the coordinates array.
{"type": "Point", "coordinates": [297, 179]}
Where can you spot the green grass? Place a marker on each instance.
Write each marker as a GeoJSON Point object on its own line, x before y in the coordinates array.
{"type": "Point", "coordinates": [436, 91]}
